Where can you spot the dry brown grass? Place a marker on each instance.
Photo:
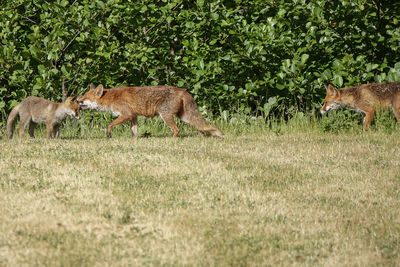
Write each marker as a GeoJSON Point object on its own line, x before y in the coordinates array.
{"type": "Point", "coordinates": [294, 198]}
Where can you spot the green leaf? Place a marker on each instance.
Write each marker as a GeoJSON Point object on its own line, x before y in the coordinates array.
{"type": "Point", "coordinates": [201, 64]}
{"type": "Point", "coordinates": [41, 69]}
{"type": "Point", "coordinates": [46, 40]}
{"type": "Point", "coordinates": [280, 86]}
{"type": "Point", "coordinates": [213, 41]}
{"type": "Point", "coordinates": [371, 67]}
{"type": "Point", "coordinates": [181, 83]}
{"type": "Point", "coordinates": [64, 71]}
{"type": "Point", "coordinates": [338, 80]}
{"type": "Point", "coordinates": [37, 86]}
{"type": "Point", "coordinates": [304, 58]}
{"type": "Point", "coordinates": [169, 19]}
{"type": "Point", "coordinates": [214, 16]}
{"type": "Point", "coordinates": [64, 3]}
{"type": "Point", "coordinates": [190, 24]}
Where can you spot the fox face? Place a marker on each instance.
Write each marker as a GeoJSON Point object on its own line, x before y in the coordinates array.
{"type": "Point", "coordinates": [90, 100]}
{"type": "Point", "coordinates": [332, 100]}
{"type": "Point", "coordinates": [72, 107]}
{"type": "Point", "coordinates": [93, 100]}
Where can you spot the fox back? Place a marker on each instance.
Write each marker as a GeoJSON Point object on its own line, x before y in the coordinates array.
{"type": "Point", "coordinates": [143, 101]}
{"type": "Point", "coordinates": [127, 103]}
{"type": "Point", "coordinates": [42, 110]}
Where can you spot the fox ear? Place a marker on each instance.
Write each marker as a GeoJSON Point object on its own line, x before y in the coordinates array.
{"type": "Point", "coordinates": [73, 98]}
{"type": "Point", "coordinates": [99, 90]}
{"type": "Point", "coordinates": [91, 86]}
{"type": "Point", "coordinates": [331, 90]}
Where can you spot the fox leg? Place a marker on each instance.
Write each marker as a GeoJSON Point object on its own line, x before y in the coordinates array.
{"type": "Point", "coordinates": [49, 129]}
{"type": "Point", "coordinates": [32, 129]}
{"type": "Point", "coordinates": [56, 131]}
{"type": "Point", "coordinates": [369, 115]}
{"type": "Point", "coordinates": [119, 120]}
{"type": "Point", "coordinates": [169, 120]}
{"type": "Point", "coordinates": [24, 120]}
{"type": "Point", "coordinates": [134, 127]}
{"type": "Point", "coordinates": [396, 107]}
{"type": "Point", "coordinates": [397, 113]}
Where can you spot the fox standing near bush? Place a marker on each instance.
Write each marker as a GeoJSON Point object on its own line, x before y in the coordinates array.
{"type": "Point", "coordinates": [365, 98]}
{"type": "Point", "coordinates": [33, 110]}
{"type": "Point", "coordinates": [129, 102]}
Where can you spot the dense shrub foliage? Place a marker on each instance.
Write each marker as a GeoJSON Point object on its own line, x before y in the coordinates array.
{"type": "Point", "coordinates": [249, 56]}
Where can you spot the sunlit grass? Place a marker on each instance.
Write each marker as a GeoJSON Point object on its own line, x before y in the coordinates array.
{"type": "Point", "coordinates": [268, 193]}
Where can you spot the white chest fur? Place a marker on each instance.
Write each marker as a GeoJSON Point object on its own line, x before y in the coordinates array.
{"type": "Point", "coordinates": [61, 113]}
{"type": "Point", "coordinates": [96, 106]}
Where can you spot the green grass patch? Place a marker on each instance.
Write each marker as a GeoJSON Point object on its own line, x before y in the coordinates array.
{"type": "Point", "coordinates": [269, 193]}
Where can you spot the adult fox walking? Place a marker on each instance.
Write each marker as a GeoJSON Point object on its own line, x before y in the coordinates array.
{"type": "Point", "coordinates": [365, 98]}
{"type": "Point", "coordinates": [129, 102]}
{"type": "Point", "coordinates": [33, 110]}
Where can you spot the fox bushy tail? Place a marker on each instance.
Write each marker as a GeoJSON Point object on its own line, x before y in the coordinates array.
{"type": "Point", "coordinates": [192, 116]}
{"type": "Point", "coordinates": [12, 118]}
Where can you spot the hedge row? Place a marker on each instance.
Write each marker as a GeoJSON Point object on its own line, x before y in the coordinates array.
{"type": "Point", "coordinates": [249, 56]}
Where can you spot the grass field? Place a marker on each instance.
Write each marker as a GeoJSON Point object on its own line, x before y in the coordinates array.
{"type": "Point", "coordinates": [279, 195]}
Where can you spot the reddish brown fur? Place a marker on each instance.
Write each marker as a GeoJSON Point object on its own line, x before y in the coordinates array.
{"type": "Point", "coordinates": [129, 102]}
{"type": "Point", "coordinates": [33, 110]}
{"type": "Point", "coordinates": [365, 98]}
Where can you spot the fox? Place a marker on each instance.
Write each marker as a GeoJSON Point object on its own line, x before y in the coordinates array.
{"type": "Point", "coordinates": [33, 110]}
{"type": "Point", "coordinates": [365, 98]}
{"type": "Point", "coordinates": [129, 102]}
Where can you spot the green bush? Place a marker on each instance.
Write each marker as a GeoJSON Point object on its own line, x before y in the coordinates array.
{"type": "Point", "coordinates": [341, 120]}
{"type": "Point", "coordinates": [250, 56]}
{"type": "Point", "coordinates": [386, 121]}
{"type": "Point", "coordinates": [344, 120]}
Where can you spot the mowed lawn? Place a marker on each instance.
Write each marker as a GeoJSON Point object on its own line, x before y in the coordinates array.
{"type": "Point", "coordinates": [252, 198]}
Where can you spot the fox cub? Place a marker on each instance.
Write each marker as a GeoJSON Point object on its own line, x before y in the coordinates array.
{"type": "Point", "coordinates": [33, 110]}
{"type": "Point", "coordinates": [365, 98]}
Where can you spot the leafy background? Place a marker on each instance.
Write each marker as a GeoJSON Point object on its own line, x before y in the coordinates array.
{"type": "Point", "coordinates": [269, 57]}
